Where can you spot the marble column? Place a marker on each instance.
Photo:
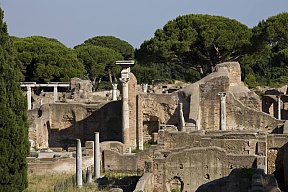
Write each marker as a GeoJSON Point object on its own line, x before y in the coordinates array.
{"type": "Point", "coordinates": [139, 122]}
{"type": "Point", "coordinates": [55, 94]}
{"type": "Point", "coordinates": [279, 107]}
{"type": "Point", "coordinates": [78, 164]}
{"type": "Point", "coordinates": [29, 97]}
{"type": "Point", "coordinates": [125, 112]}
{"type": "Point", "coordinates": [88, 175]}
{"type": "Point", "coordinates": [97, 156]}
{"type": "Point", "coordinates": [144, 87]}
{"type": "Point", "coordinates": [222, 110]}
{"type": "Point", "coordinates": [125, 105]}
{"type": "Point", "coordinates": [114, 92]}
{"type": "Point", "coordinates": [181, 120]}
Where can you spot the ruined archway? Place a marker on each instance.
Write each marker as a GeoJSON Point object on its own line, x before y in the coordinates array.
{"type": "Point", "coordinates": [175, 184]}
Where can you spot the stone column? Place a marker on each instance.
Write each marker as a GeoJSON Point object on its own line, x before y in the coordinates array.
{"type": "Point", "coordinates": [78, 164]}
{"type": "Point", "coordinates": [88, 175]}
{"type": "Point", "coordinates": [144, 87]}
{"type": "Point", "coordinates": [97, 156]}
{"type": "Point", "coordinates": [125, 112]}
{"type": "Point", "coordinates": [29, 97]}
{"type": "Point", "coordinates": [114, 92]}
{"type": "Point", "coordinates": [181, 120]}
{"type": "Point", "coordinates": [55, 94]}
{"type": "Point", "coordinates": [125, 106]}
{"type": "Point", "coordinates": [139, 121]}
{"type": "Point", "coordinates": [222, 110]}
{"type": "Point", "coordinates": [279, 106]}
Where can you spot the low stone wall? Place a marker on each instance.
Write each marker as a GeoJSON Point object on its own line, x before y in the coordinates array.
{"type": "Point", "coordinates": [56, 166]}
{"type": "Point", "coordinates": [115, 161]}
{"type": "Point", "coordinates": [145, 183]}
{"type": "Point", "coordinates": [135, 162]}
{"type": "Point", "coordinates": [113, 146]}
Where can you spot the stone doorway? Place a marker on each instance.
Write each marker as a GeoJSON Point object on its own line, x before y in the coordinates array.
{"type": "Point", "coordinates": [149, 127]}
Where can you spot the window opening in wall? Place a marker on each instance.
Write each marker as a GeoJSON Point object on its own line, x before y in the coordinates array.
{"type": "Point", "coordinates": [207, 177]}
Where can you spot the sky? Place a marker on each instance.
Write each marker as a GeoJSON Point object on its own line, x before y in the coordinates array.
{"type": "Point", "coordinates": [73, 21]}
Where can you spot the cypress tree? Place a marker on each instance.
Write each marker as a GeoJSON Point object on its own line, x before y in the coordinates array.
{"type": "Point", "coordinates": [14, 144]}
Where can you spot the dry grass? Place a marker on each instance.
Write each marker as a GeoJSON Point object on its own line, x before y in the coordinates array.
{"type": "Point", "coordinates": [45, 183]}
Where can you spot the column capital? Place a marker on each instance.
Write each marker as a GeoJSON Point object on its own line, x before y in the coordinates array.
{"type": "Point", "coordinates": [124, 81]}
{"type": "Point", "coordinates": [222, 95]}
{"type": "Point", "coordinates": [114, 86]}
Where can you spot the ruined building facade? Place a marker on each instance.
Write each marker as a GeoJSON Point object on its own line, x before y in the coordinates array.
{"type": "Point", "coordinates": [203, 131]}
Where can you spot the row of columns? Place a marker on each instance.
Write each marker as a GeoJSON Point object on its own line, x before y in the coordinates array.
{"type": "Point", "coordinates": [29, 86]}
{"type": "Point", "coordinates": [97, 156]}
{"type": "Point", "coordinates": [114, 90]}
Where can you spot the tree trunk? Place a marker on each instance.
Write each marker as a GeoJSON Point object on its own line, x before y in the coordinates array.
{"type": "Point", "coordinates": [98, 83]}
{"type": "Point", "coordinates": [110, 76]}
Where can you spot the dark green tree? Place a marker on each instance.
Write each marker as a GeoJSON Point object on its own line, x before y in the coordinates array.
{"type": "Point", "coordinates": [98, 61]}
{"type": "Point", "coordinates": [191, 45]}
{"type": "Point", "coordinates": [269, 57]}
{"type": "Point", "coordinates": [14, 144]}
{"type": "Point", "coordinates": [145, 74]}
{"type": "Point", "coordinates": [46, 60]}
{"type": "Point", "coordinates": [123, 47]}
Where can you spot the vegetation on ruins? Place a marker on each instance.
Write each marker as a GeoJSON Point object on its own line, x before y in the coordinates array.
{"type": "Point", "coordinates": [189, 47]}
{"type": "Point", "coordinates": [99, 62]}
{"type": "Point", "coordinates": [47, 60]}
{"type": "Point", "coordinates": [14, 144]}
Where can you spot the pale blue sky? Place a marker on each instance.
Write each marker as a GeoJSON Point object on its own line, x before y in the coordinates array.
{"type": "Point", "coordinates": [73, 21]}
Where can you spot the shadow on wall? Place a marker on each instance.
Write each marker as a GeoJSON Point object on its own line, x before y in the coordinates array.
{"type": "Point", "coordinates": [174, 118]}
{"type": "Point", "coordinates": [106, 120]}
{"type": "Point", "coordinates": [237, 181]}
{"type": "Point", "coordinates": [281, 167]}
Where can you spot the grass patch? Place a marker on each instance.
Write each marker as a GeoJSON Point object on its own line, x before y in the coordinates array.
{"type": "Point", "coordinates": [146, 145]}
{"type": "Point", "coordinates": [45, 183]}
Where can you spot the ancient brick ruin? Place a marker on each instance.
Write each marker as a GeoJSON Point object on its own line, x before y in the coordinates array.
{"type": "Point", "coordinates": [207, 133]}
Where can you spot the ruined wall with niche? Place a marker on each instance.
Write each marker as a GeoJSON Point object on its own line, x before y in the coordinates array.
{"type": "Point", "coordinates": [157, 109]}
{"type": "Point", "coordinates": [196, 166]}
{"type": "Point", "coordinates": [58, 124]}
{"type": "Point", "coordinates": [242, 105]}
{"type": "Point", "coordinates": [63, 123]}
{"type": "Point", "coordinates": [181, 155]}
{"type": "Point", "coordinates": [38, 131]}
{"type": "Point", "coordinates": [277, 158]}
